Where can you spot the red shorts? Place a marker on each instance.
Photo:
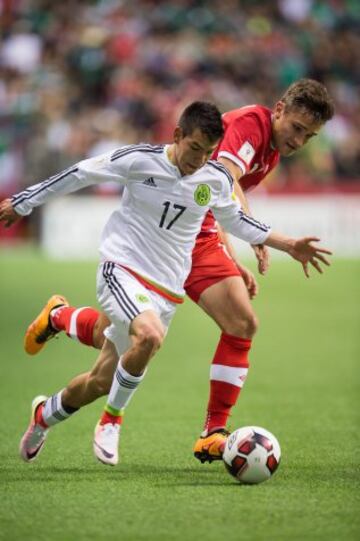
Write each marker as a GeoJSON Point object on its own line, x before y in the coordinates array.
{"type": "Point", "coordinates": [210, 264]}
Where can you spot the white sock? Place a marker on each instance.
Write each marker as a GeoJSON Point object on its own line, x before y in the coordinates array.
{"type": "Point", "coordinates": [123, 387]}
{"type": "Point", "coordinates": [54, 412]}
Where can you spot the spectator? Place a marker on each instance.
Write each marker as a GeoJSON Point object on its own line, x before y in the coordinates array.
{"type": "Point", "coordinates": [79, 76]}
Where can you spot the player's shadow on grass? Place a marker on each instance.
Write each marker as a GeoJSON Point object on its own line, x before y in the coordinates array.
{"type": "Point", "coordinates": [147, 473]}
{"type": "Point", "coordinates": [50, 474]}
{"type": "Point", "coordinates": [165, 476]}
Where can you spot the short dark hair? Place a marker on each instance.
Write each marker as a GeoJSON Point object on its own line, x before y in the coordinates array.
{"type": "Point", "coordinates": [310, 95]}
{"type": "Point", "coordinates": [203, 115]}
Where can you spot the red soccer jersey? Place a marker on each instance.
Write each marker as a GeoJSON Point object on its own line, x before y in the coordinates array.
{"type": "Point", "coordinates": [247, 142]}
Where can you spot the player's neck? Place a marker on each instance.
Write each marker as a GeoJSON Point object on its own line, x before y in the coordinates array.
{"type": "Point", "coordinates": [170, 152]}
{"type": "Point", "coordinates": [171, 155]}
{"type": "Point", "coordinates": [272, 142]}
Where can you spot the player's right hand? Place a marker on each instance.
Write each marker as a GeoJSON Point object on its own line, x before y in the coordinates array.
{"type": "Point", "coordinates": [250, 280]}
{"type": "Point", "coordinates": [7, 213]}
{"type": "Point", "coordinates": [263, 257]}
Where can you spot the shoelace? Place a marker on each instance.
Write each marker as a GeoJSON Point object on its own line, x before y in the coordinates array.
{"type": "Point", "coordinates": [38, 430]}
{"type": "Point", "coordinates": [110, 429]}
{"type": "Point", "coordinates": [48, 333]}
{"type": "Point", "coordinates": [222, 431]}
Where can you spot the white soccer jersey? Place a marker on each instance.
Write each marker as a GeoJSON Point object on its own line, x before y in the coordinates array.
{"type": "Point", "coordinates": [160, 214]}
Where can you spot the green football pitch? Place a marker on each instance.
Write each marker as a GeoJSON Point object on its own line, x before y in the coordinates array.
{"type": "Point", "coordinates": [303, 386]}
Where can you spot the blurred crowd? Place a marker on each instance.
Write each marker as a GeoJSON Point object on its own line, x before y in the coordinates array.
{"type": "Point", "coordinates": [82, 77]}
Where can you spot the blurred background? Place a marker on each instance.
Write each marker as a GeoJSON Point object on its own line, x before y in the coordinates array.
{"type": "Point", "coordinates": [82, 77]}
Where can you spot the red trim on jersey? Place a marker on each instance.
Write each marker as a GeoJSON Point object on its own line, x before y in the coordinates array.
{"type": "Point", "coordinates": [154, 287]}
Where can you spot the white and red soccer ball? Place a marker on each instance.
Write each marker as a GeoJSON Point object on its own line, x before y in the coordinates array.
{"type": "Point", "coordinates": [252, 454]}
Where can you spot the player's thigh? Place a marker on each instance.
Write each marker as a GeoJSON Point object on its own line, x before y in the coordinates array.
{"type": "Point", "coordinates": [131, 308]}
{"type": "Point", "coordinates": [147, 322]}
{"type": "Point", "coordinates": [121, 296]}
{"type": "Point", "coordinates": [122, 299]}
{"type": "Point", "coordinates": [211, 264]}
{"type": "Point", "coordinates": [227, 302]}
{"type": "Point", "coordinates": [153, 323]}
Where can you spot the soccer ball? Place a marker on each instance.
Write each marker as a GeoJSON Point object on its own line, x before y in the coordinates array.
{"type": "Point", "coordinates": [251, 454]}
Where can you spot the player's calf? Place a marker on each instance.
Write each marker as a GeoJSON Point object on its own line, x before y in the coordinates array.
{"type": "Point", "coordinates": [100, 325]}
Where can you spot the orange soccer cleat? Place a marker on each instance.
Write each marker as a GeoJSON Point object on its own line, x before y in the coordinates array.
{"type": "Point", "coordinates": [40, 330]}
{"type": "Point", "coordinates": [210, 447]}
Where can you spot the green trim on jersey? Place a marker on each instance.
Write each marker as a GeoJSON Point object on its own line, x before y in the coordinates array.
{"type": "Point", "coordinates": [162, 288]}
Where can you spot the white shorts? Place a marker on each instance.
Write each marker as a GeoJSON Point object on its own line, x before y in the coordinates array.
{"type": "Point", "coordinates": [122, 298]}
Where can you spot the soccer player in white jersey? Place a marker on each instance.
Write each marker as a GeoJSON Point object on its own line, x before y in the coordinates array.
{"type": "Point", "coordinates": [145, 257]}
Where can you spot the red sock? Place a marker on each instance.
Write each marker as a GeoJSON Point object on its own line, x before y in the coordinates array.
{"type": "Point", "coordinates": [78, 323]}
{"type": "Point", "coordinates": [228, 373]}
{"type": "Point", "coordinates": [39, 417]}
{"type": "Point", "coordinates": [113, 419]}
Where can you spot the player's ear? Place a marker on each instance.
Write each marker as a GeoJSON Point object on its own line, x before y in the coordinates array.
{"type": "Point", "coordinates": [178, 134]}
{"type": "Point", "coordinates": [279, 109]}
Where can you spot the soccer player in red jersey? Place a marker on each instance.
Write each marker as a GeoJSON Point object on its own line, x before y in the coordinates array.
{"type": "Point", "coordinates": [255, 138]}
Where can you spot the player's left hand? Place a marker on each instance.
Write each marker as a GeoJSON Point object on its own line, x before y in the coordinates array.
{"type": "Point", "coordinates": [304, 251]}
{"type": "Point", "coordinates": [250, 281]}
{"type": "Point", "coordinates": [7, 213]}
{"type": "Point", "coordinates": [263, 257]}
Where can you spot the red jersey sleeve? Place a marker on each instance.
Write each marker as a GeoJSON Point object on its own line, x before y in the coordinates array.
{"type": "Point", "coordinates": [242, 140]}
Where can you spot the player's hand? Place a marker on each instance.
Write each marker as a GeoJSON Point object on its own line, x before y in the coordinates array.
{"type": "Point", "coordinates": [263, 257]}
{"type": "Point", "coordinates": [304, 251]}
{"type": "Point", "coordinates": [250, 281]}
{"type": "Point", "coordinates": [7, 213]}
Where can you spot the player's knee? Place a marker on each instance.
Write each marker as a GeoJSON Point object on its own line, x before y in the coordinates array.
{"type": "Point", "coordinates": [244, 325]}
{"type": "Point", "coordinates": [252, 324]}
{"type": "Point", "coordinates": [150, 337]}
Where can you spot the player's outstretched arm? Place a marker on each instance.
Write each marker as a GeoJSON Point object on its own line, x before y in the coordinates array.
{"type": "Point", "coordinates": [7, 213]}
{"type": "Point", "coordinates": [85, 173]}
{"type": "Point", "coordinates": [261, 252]}
{"type": "Point", "coordinates": [303, 250]}
{"type": "Point", "coordinates": [232, 218]}
{"type": "Point", "coordinates": [247, 275]}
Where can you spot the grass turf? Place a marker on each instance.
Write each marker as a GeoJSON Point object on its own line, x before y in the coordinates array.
{"type": "Point", "coordinates": [303, 386]}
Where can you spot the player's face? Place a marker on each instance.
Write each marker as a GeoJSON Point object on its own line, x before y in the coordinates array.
{"type": "Point", "coordinates": [292, 129]}
{"type": "Point", "coordinates": [192, 151]}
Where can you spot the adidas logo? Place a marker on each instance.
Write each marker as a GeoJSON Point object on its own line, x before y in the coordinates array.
{"type": "Point", "coordinates": [150, 182]}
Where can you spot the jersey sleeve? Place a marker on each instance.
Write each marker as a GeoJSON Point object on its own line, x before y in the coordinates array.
{"type": "Point", "coordinates": [228, 212]}
{"type": "Point", "coordinates": [241, 142]}
{"type": "Point", "coordinates": [113, 166]}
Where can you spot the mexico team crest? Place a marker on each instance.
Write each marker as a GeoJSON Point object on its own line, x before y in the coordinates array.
{"type": "Point", "coordinates": [202, 195]}
{"type": "Point", "coordinates": [142, 298]}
